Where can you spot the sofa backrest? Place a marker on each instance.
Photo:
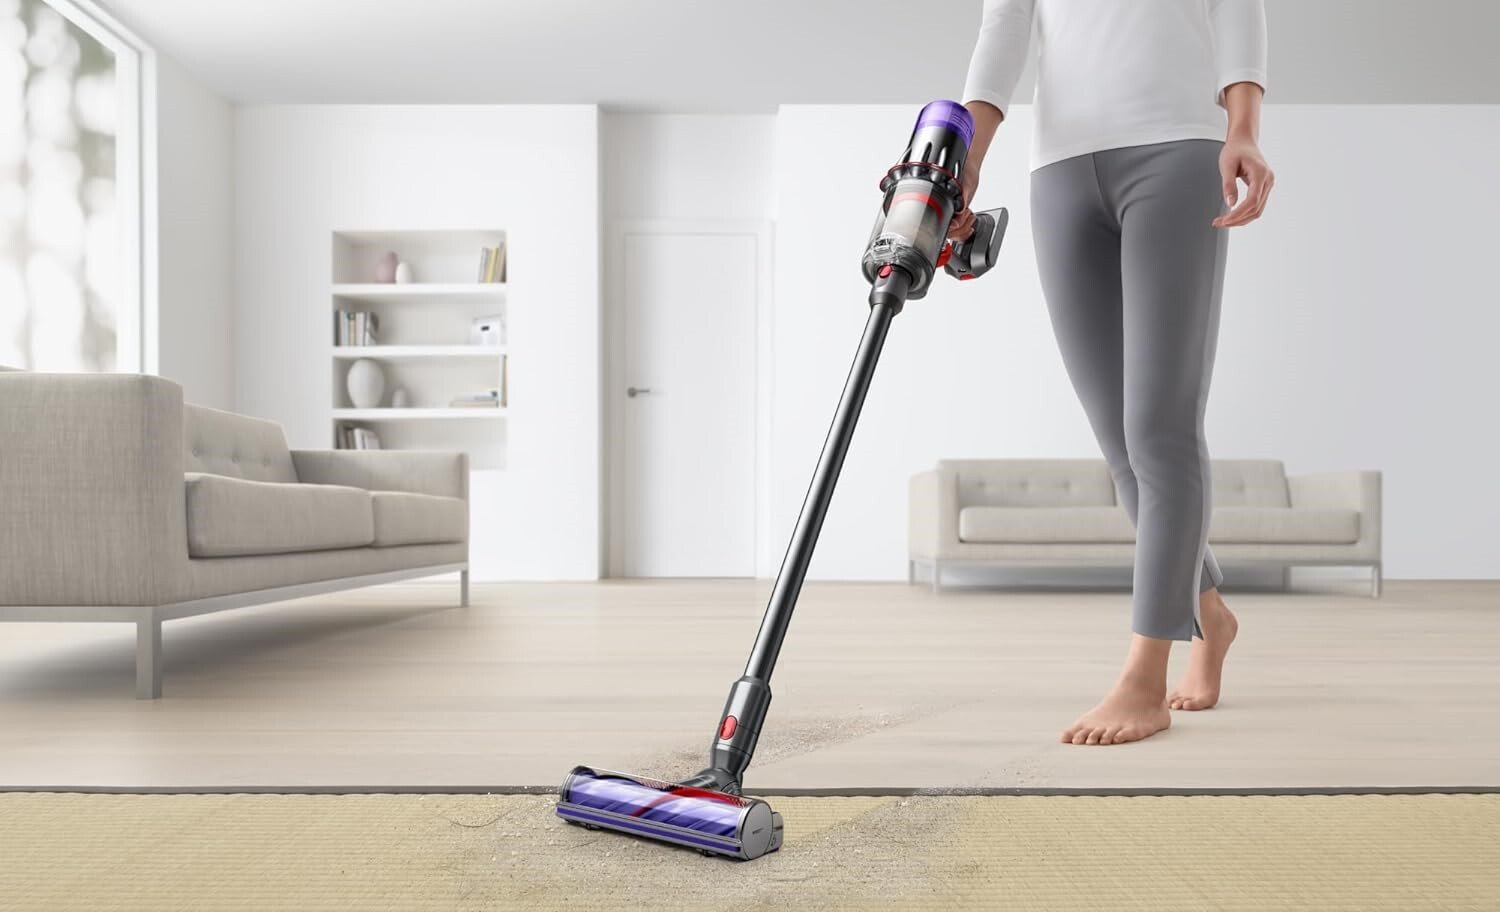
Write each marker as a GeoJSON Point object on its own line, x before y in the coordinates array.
{"type": "Point", "coordinates": [1250, 483]}
{"type": "Point", "coordinates": [1032, 482]}
{"type": "Point", "coordinates": [1087, 483]}
{"type": "Point", "coordinates": [223, 443]}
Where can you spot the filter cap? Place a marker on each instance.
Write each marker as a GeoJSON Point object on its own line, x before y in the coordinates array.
{"type": "Point", "coordinates": [948, 114]}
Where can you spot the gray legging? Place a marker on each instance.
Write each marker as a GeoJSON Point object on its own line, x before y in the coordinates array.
{"type": "Point", "coordinates": [1133, 272]}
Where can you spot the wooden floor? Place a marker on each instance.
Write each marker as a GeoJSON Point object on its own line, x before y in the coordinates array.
{"type": "Point", "coordinates": [880, 686]}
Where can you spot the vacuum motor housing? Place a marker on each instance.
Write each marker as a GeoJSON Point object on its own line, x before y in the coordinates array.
{"type": "Point", "coordinates": [922, 193]}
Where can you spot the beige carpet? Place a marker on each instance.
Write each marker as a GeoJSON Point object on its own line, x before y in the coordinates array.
{"type": "Point", "coordinates": [385, 852]}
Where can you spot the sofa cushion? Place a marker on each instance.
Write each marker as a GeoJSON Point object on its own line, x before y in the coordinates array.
{"type": "Point", "coordinates": [233, 517]}
{"type": "Point", "coordinates": [1280, 525]}
{"type": "Point", "coordinates": [1040, 525]}
{"type": "Point", "coordinates": [1032, 482]}
{"type": "Point", "coordinates": [402, 518]}
{"type": "Point", "coordinates": [1249, 483]}
{"type": "Point", "coordinates": [223, 443]}
{"type": "Point", "coordinates": [1100, 525]}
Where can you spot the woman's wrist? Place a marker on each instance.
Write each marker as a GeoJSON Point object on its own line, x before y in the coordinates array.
{"type": "Point", "coordinates": [987, 119]}
{"type": "Point", "coordinates": [1242, 101]}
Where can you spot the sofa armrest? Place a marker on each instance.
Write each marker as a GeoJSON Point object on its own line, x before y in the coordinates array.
{"type": "Point", "coordinates": [932, 514]}
{"type": "Point", "coordinates": [413, 471]}
{"type": "Point", "coordinates": [1350, 490]}
{"type": "Point", "coordinates": [91, 490]}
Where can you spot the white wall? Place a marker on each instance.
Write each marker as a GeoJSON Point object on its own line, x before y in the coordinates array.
{"type": "Point", "coordinates": [687, 166]}
{"type": "Point", "coordinates": [194, 244]}
{"type": "Point", "coordinates": [1359, 329]}
{"type": "Point", "coordinates": [302, 172]}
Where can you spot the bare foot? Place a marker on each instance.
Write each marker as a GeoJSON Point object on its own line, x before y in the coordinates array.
{"type": "Point", "coordinates": [1199, 687]}
{"type": "Point", "coordinates": [1132, 711]}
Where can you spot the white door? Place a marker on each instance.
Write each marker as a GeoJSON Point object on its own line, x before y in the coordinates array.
{"type": "Point", "coordinates": [688, 404]}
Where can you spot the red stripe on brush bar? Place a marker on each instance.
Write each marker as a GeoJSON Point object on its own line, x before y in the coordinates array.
{"type": "Point", "coordinates": [684, 791]}
{"type": "Point", "coordinates": [901, 197]}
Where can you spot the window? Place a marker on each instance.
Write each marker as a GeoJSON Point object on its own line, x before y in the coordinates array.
{"type": "Point", "coordinates": [70, 208]}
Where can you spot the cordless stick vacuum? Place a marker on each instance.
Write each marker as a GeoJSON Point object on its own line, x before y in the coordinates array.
{"type": "Point", "coordinates": [707, 812]}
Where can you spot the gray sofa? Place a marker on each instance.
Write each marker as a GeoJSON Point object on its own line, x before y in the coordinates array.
{"type": "Point", "coordinates": [120, 503]}
{"type": "Point", "coordinates": [1063, 512]}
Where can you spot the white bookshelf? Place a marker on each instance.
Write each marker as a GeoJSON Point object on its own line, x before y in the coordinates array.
{"type": "Point", "coordinates": [401, 352]}
{"type": "Point", "coordinates": [422, 344]}
{"type": "Point", "coordinates": [416, 414]}
{"type": "Point", "coordinates": [418, 291]}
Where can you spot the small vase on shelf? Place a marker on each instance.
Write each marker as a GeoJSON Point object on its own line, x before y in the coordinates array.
{"type": "Point", "coordinates": [366, 384]}
{"type": "Point", "coordinates": [385, 267]}
{"type": "Point", "coordinates": [403, 274]}
{"type": "Point", "coordinates": [399, 398]}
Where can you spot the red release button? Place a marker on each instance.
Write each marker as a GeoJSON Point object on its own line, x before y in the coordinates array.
{"type": "Point", "coordinates": [884, 271]}
{"type": "Point", "coordinates": [727, 729]}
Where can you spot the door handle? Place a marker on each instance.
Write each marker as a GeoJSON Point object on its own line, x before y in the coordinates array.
{"type": "Point", "coordinates": [634, 391]}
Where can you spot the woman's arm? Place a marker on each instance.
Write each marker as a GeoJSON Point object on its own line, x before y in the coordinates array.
{"type": "Point", "coordinates": [994, 70]}
{"type": "Point", "coordinates": [1241, 158]}
{"type": "Point", "coordinates": [987, 119]}
{"type": "Point", "coordinates": [1239, 28]}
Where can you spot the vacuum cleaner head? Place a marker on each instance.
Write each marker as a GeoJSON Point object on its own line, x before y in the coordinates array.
{"type": "Point", "coordinates": [714, 823]}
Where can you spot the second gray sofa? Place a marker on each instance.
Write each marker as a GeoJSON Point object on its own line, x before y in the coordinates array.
{"type": "Point", "coordinates": [1063, 512]}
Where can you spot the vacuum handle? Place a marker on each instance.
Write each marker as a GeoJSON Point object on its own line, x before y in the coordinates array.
{"type": "Point", "coordinates": [976, 254]}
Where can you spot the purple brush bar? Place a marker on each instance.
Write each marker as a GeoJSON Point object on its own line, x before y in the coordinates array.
{"type": "Point", "coordinates": [688, 809]}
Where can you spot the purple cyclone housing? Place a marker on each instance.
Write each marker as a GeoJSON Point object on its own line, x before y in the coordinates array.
{"type": "Point", "coordinates": [948, 114]}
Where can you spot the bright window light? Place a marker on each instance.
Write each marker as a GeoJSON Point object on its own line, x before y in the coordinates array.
{"type": "Point", "coordinates": [69, 191]}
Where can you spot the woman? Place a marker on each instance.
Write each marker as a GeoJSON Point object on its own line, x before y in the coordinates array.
{"type": "Point", "coordinates": [1134, 179]}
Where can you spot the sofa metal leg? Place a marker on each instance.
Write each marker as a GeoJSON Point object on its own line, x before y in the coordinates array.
{"type": "Point", "coordinates": [937, 577]}
{"type": "Point", "coordinates": [148, 658]}
{"type": "Point", "coordinates": [1375, 581]}
{"type": "Point", "coordinates": [463, 588]}
{"type": "Point", "coordinates": [911, 572]}
{"type": "Point", "coordinates": [1286, 578]}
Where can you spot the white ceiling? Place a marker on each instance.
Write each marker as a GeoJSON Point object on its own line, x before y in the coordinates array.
{"type": "Point", "coordinates": [714, 55]}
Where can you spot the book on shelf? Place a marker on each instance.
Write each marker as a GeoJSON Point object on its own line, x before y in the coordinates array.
{"type": "Point", "coordinates": [351, 437]}
{"type": "Point", "coordinates": [355, 327]}
{"type": "Point", "coordinates": [492, 264]}
{"type": "Point", "coordinates": [491, 398]}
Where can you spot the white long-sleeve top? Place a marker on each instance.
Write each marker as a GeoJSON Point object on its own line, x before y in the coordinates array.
{"type": "Point", "coordinates": [1115, 73]}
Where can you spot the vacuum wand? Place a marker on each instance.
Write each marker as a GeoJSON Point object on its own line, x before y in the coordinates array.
{"type": "Point", "coordinates": [815, 505]}
{"type": "Point", "coordinates": [906, 248]}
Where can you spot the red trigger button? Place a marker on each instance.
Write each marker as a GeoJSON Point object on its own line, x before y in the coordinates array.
{"type": "Point", "coordinates": [726, 731]}
{"type": "Point", "coordinates": [945, 256]}
{"type": "Point", "coordinates": [884, 272]}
